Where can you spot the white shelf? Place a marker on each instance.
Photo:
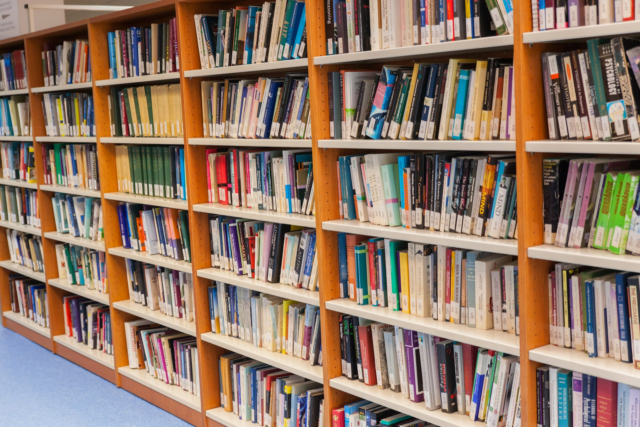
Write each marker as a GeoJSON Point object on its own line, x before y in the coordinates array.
{"type": "Point", "coordinates": [26, 138]}
{"type": "Point", "coordinates": [14, 92]}
{"type": "Point", "coordinates": [162, 261]}
{"type": "Point", "coordinates": [227, 419]}
{"type": "Point", "coordinates": [243, 142]}
{"type": "Point", "coordinates": [286, 362]}
{"type": "Point", "coordinates": [80, 290]}
{"type": "Point", "coordinates": [277, 289]}
{"type": "Point", "coordinates": [18, 183]}
{"type": "Point", "coordinates": [585, 256]}
{"type": "Point", "coordinates": [574, 360]}
{"type": "Point", "coordinates": [17, 268]}
{"type": "Point", "coordinates": [61, 88]}
{"type": "Point", "coordinates": [139, 310]}
{"type": "Point", "coordinates": [27, 323]}
{"type": "Point", "coordinates": [492, 339]}
{"type": "Point", "coordinates": [385, 144]}
{"type": "Point", "coordinates": [289, 65]}
{"type": "Point", "coordinates": [174, 392]}
{"type": "Point", "coordinates": [77, 191]}
{"type": "Point", "coordinates": [423, 51]}
{"type": "Point", "coordinates": [399, 403]}
{"type": "Point", "coordinates": [146, 200]}
{"type": "Point", "coordinates": [463, 241]}
{"type": "Point", "coordinates": [24, 228]}
{"type": "Point", "coordinates": [591, 147]}
{"type": "Point", "coordinates": [143, 140]}
{"type": "Point", "coordinates": [139, 80]}
{"type": "Point", "coordinates": [78, 241]}
{"type": "Point", "coordinates": [95, 355]}
{"type": "Point", "coordinates": [578, 33]}
{"type": "Point", "coordinates": [68, 139]}
{"type": "Point", "coordinates": [261, 215]}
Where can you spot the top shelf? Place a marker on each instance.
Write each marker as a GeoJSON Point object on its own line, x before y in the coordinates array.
{"type": "Point", "coordinates": [137, 80]}
{"type": "Point", "coordinates": [582, 147]}
{"type": "Point", "coordinates": [62, 88]}
{"type": "Point", "coordinates": [289, 65]}
{"type": "Point", "coordinates": [582, 33]}
{"type": "Point", "coordinates": [417, 52]}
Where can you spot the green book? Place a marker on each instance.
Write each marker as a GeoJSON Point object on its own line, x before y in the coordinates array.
{"type": "Point", "coordinates": [183, 217]}
{"type": "Point", "coordinates": [137, 107]}
{"type": "Point", "coordinates": [71, 273]}
{"type": "Point", "coordinates": [286, 24]}
{"type": "Point", "coordinates": [615, 201]}
{"type": "Point", "coordinates": [145, 171]}
{"type": "Point", "coordinates": [621, 219]}
{"type": "Point", "coordinates": [114, 112]}
{"type": "Point", "coordinates": [594, 59]}
{"type": "Point", "coordinates": [56, 154]}
{"type": "Point", "coordinates": [402, 102]}
{"type": "Point", "coordinates": [166, 158]}
{"type": "Point", "coordinates": [488, 380]}
{"type": "Point", "coordinates": [362, 273]}
{"type": "Point", "coordinates": [147, 94]}
{"type": "Point", "coordinates": [496, 16]}
{"type": "Point", "coordinates": [88, 207]}
{"type": "Point", "coordinates": [153, 163]}
{"type": "Point", "coordinates": [137, 169]}
{"type": "Point", "coordinates": [393, 276]}
{"type": "Point", "coordinates": [608, 195]}
{"type": "Point", "coordinates": [391, 191]}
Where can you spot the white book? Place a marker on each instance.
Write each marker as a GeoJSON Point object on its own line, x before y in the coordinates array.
{"type": "Point", "coordinates": [553, 396]}
{"type": "Point", "coordinates": [498, 394]}
{"type": "Point", "coordinates": [515, 396]}
{"type": "Point", "coordinates": [483, 287]}
{"type": "Point", "coordinates": [375, 24]}
{"type": "Point", "coordinates": [496, 292]}
{"type": "Point", "coordinates": [392, 360]}
{"type": "Point", "coordinates": [423, 280]}
{"type": "Point", "coordinates": [509, 275]}
{"type": "Point", "coordinates": [613, 334]}
{"type": "Point", "coordinates": [402, 362]}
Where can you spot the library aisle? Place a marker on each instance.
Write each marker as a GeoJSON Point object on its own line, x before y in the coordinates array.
{"type": "Point", "coordinates": [40, 388]}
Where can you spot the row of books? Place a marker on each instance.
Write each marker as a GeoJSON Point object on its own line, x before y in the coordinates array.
{"type": "Point", "coordinates": [275, 31]}
{"type": "Point", "coordinates": [150, 170]}
{"type": "Point", "coordinates": [455, 377]}
{"type": "Point", "coordinates": [78, 216]}
{"type": "Point", "coordinates": [29, 298]}
{"type": "Point", "coordinates": [71, 165]}
{"type": "Point", "coordinates": [25, 249]}
{"type": "Point", "coordinates": [82, 267]}
{"type": "Point", "coordinates": [592, 202]}
{"type": "Point", "coordinates": [264, 108]}
{"type": "Point", "coordinates": [558, 15]}
{"type": "Point", "coordinates": [280, 181]}
{"type": "Point", "coordinates": [467, 99]}
{"type": "Point", "coordinates": [361, 25]}
{"type": "Point", "coordinates": [19, 205]}
{"type": "Point", "coordinates": [18, 161]}
{"type": "Point", "coordinates": [13, 71]}
{"type": "Point", "coordinates": [15, 116]}
{"type": "Point", "coordinates": [146, 111]}
{"type": "Point", "coordinates": [155, 230]}
{"type": "Point", "coordinates": [269, 252]}
{"type": "Point", "coordinates": [143, 51]}
{"type": "Point", "coordinates": [593, 94]}
{"type": "Point", "coordinates": [571, 398]}
{"type": "Point", "coordinates": [475, 194]}
{"type": "Point", "coordinates": [472, 288]}
{"type": "Point", "coordinates": [66, 63]}
{"type": "Point", "coordinates": [267, 396]}
{"type": "Point", "coordinates": [357, 413]}
{"type": "Point", "coordinates": [167, 355]}
{"type": "Point", "coordinates": [160, 288]}
{"type": "Point", "coordinates": [269, 322]}
{"type": "Point", "coordinates": [88, 323]}
{"type": "Point", "coordinates": [69, 114]}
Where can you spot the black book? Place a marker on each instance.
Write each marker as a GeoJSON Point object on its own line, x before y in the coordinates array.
{"type": "Point", "coordinates": [417, 101]}
{"type": "Point", "coordinates": [481, 10]}
{"type": "Point", "coordinates": [357, 20]}
{"type": "Point", "coordinates": [436, 108]}
{"type": "Point", "coordinates": [267, 36]}
{"type": "Point", "coordinates": [447, 374]}
{"type": "Point", "coordinates": [429, 189]}
{"type": "Point", "coordinates": [302, 50]}
{"type": "Point", "coordinates": [275, 258]}
{"type": "Point", "coordinates": [314, 348]}
{"type": "Point", "coordinates": [554, 178]}
{"type": "Point", "coordinates": [471, 184]}
{"type": "Point", "coordinates": [341, 27]}
{"type": "Point", "coordinates": [463, 194]}
{"type": "Point", "coordinates": [413, 190]}
{"type": "Point", "coordinates": [366, 26]}
{"type": "Point", "coordinates": [623, 47]}
{"type": "Point", "coordinates": [367, 112]}
{"type": "Point", "coordinates": [565, 96]}
{"type": "Point", "coordinates": [419, 184]}
{"type": "Point", "coordinates": [280, 108]}
{"type": "Point", "coordinates": [459, 18]}
{"type": "Point", "coordinates": [355, 130]}
{"type": "Point", "coordinates": [328, 27]}
{"type": "Point", "coordinates": [395, 94]}
{"type": "Point", "coordinates": [314, 397]}
{"type": "Point", "coordinates": [343, 347]}
{"type": "Point", "coordinates": [455, 194]}
{"type": "Point", "coordinates": [356, 339]}
{"type": "Point", "coordinates": [350, 348]}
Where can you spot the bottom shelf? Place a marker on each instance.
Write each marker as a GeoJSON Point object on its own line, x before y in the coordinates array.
{"type": "Point", "coordinates": [228, 419]}
{"type": "Point", "coordinates": [399, 403]}
{"type": "Point", "coordinates": [173, 392]}
{"type": "Point", "coordinates": [27, 323]}
{"type": "Point", "coordinates": [95, 355]}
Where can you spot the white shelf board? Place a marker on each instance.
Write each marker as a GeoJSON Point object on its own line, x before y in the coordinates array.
{"type": "Point", "coordinates": [25, 271]}
{"type": "Point", "coordinates": [292, 64]}
{"type": "Point", "coordinates": [463, 241]}
{"type": "Point", "coordinates": [80, 290]}
{"type": "Point", "coordinates": [277, 289]}
{"type": "Point", "coordinates": [386, 144]}
{"type": "Point", "coordinates": [24, 228]}
{"type": "Point", "coordinates": [27, 138]}
{"type": "Point", "coordinates": [27, 323]}
{"type": "Point", "coordinates": [146, 200]}
{"type": "Point", "coordinates": [95, 355]}
{"type": "Point", "coordinates": [62, 88]}
{"type": "Point", "coordinates": [399, 403]}
{"type": "Point", "coordinates": [139, 310]}
{"type": "Point", "coordinates": [143, 140]}
{"type": "Point", "coordinates": [243, 142]}
{"type": "Point", "coordinates": [590, 147]}
{"type": "Point", "coordinates": [579, 361]}
{"type": "Point", "coordinates": [586, 256]}
{"type": "Point", "coordinates": [492, 339]}
{"type": "Point", "coordinates": [286, 362]}
{"type": "Point", "coordinates": [579, 33]}
{"type": "Point", "coordinates": [162, 261]}
{"type": "Point", "coordinates": [14, 92]}
{"type": "Point", "coordinates": [423, 51]}
{"type": "Point", "coordinates": [227, 419]}
{"type": "Point", "coordinates": [261, 215]}
{"type": "Point", "coordinates": [78, 241]}
{"type": "Point", "coordinates": [18, 183]}
{"type": "Point", "coordinates": [173, 392]}
{"type": "Point", "coordinates": [67, 139]}
{"type": "Point", "coordinates": [71, 190]}
{"type": "Point", "coordinates": [139, 80]}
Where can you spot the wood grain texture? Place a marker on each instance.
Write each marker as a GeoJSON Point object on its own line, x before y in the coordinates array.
{"type": "Point", "coordinates": [41, 340]}
{"type": "Point", "coordinates": [86, 363]}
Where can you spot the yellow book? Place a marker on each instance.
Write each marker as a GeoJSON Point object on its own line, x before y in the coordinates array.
{"type": "Point", "coordinates": [156, 110]}
{"type": "Point", "coordinates": [473, 125]}
{"type": "Point", "coordinates": [144, 112]}
{"type": "Point", "coordinates": [61, 118]}
{"type": "Point", "coordinates": [77, 123]}
{"type": "Point", "coordinates": [407, 108]}
{"type": "Point", "coordinates": [285, 318]}
{"type": "Point", "coordinates": [176, 102]}
{"type": "Point", "coordinates": [405, 300]}
{"type": "Point", "coordinates": [134, 114]}
{"type": "Point", "coordinates": [205, 95]}
{"type": "Point", "coordinates": [453, 286]}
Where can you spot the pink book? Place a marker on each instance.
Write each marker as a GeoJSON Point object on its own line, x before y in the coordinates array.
{"type": "Point", "coordinates": [310, 318]}
{"type": "Point", "coordinates": [247, 178]}
{"type": "Point", "coordinates": [447, 287]}
{"type": "Point", "coordinates": [567, 202]}
{"type": "Point", "coordinates": [578, 204]}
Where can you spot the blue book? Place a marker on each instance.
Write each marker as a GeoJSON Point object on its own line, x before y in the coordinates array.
{"type": "Point", "coordinates": [265, 126]}
{"type": "Point", "coordinates": [624, 390]}
{"type": "Point", "coordinates": [250, 39]}
{"type": "Point", "coordinates": [111, 36]}
{"type": "Point", "coordinates": [476, 395]}
{"type": "Point", "coordinates": [461, 104]}
{"type": "Point", "coordinates": [589, 400]}
{"type": "Point", "coordinates": [298, 12]}
{"type": "Point", "coordinates": [210, 291]}
{"type": "Point", "coordinates": [301, 28]}
{"type": "Point", "coordinates": [442, 7]}
{"type": "Point", "coordinates": [622, 297]}
{"type": "Point", "coordinates": [565, 402]}
{"type": "Point", "coordinates": [344, 269]}
{"type": "Point", "coordinates": [380, 106]}
{"type": "Point", "coordinates": [592, 337]}
{"type": "Point", "coordinates": [352, 413]}
{"type": "Point", "coordinates": [206, 22]}
{"type": "Point", "coordinates": [382, 299]}
{"type": "Point", "coordinates": [311, 250]}
{"type": "Point", "coordinates": [503, 167]}
{"type": "Point", "coordinates": [348, 202]}
{"type": "Point", "coordinates": [403, 162]}
{"type": "Point", "coordinates": [124, 226]}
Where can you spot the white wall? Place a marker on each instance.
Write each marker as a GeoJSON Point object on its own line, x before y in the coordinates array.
{"type": "Point", "coordinates": [43, 18]}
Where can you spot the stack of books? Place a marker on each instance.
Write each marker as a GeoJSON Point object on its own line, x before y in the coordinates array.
{"type": "Point", "coordinates": [78, 216]}
{"type": "Point", "coordinates": [552, 15]}
{"type": "Point", "coordinates": [19, 205]}
{"type": "Point", "coordinates": [29, 298]}
{"type": "Point", "coordinates": [68, 114]}
{"type": "Point", "coordinates": [71, 165]}
{"type": "Point", "coordinates": [25, 249]}
{"type": "Point", "coordinates": [82, 267]}
{"type": "Point", "coordinates": [18, 161]}
{"type": "Point", "coordinates": [15, 116]}
{"type": "Point", "coordinates": [66, 63]}
{"type": "Point", "coordinates": [13, 71]}
{"type": "Point", "coordinates": [88, 323]}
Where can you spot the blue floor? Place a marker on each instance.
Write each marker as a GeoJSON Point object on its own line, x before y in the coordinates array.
{"type": "Point", "coordinates": [40, 388]}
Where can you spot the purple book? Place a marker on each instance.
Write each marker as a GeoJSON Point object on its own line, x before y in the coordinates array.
{"type": "Point", "coordinates": [266, 250]}
{"type": "Point", "coordinates": [576, 13]}
{"type": "Point", "coordinates": [510, 118]}
{"type": "Point", "coordinates": [235, 246]}
{"type": "Point", "coordinates": [414, 368]}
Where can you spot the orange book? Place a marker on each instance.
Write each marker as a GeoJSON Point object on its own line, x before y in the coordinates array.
{"type": "Point", "coordinates": [352, 241]}
{"type": "Point", "coordinates": [174, 233]}
{"type": "Point", "coordinates": [339, 190]}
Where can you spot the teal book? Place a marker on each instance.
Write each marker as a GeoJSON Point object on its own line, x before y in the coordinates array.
{"type": "Point", "coordinates": [288, 16]}
{"type": "Point", "coordinates": [472, 256]}
{"type": "Point", "coordinates": [298, 11]}
{"type": "Point", "coordinates": [88, 205]}
{"type": "Point", "coordinates": [393, 275]}
{"type": "Point", "coordinates": [362, 273]}
{"type": "Point", "coordinates": [403, 162]}
{"type": "Point", "coordinates": [348, 194]}
{"type": "Point", "coordinates": [461, 104]}
{"type": "Point", "coordinates": [297, 52]}
{"type": "Point", "coordinates": [391, 188]}
{"type": "Point", "coordinates": [565, 403]}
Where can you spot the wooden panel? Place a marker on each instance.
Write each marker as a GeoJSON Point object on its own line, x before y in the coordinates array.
{"type": "Point", "coordinates": [86, 363]}
{"type": "Point", "coordinates": [28, 333]}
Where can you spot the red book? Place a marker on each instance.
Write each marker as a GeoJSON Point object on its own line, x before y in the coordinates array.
{"type": "Point", "coordinates": [372, 273]}
{"type": "Point", "coordinates": [221, 170]}
{"type": "Point", "coordinates": [451, 34]}
{"type": "Point", "coordinates": [123, 114]}
{"type": "Point", "coordinates": [469, 357]}
{"type": "Point", "coordinates": [252, 254]}
{"type": "Point", "coordinates": [607, 401]}
{"type": "Point", "coordinates": [337, 418]}
{"type": "Point", "coordinates": [367, 356]}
